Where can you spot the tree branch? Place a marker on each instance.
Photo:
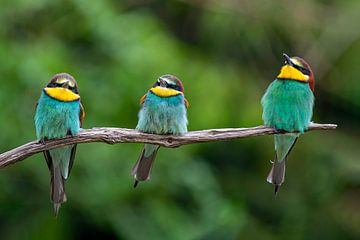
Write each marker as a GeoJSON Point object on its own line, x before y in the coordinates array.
{"type": "Point", "coordinates": [123, 135]}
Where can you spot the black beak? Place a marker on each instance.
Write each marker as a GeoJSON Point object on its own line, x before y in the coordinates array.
{"type": "Point", "coordinates": [287, 59]}
{"type": "Point", "coordinates": [65, 84]}
{"type": "Point", "coordinates": [163, 83]}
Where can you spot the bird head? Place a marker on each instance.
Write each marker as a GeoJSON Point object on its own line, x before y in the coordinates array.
{"type": "Point", "coordinates": [297, 69]}
{"type": "Point", "coordinates": [167, 86]}
{"type": "Point", "coordinates": [62, 87]}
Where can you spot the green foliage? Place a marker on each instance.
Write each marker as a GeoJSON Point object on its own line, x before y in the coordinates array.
{"type": "Point", "coordinates": [226, 53]}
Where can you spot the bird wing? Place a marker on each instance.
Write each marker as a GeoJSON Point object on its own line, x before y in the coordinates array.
{"type": "Point", "coordinates": [72, 157]}
{"type": "Point", "coordinates": [73, 149]}
{"type": "Point", "coordinates": [142, 99]}
{"type": "Point", "coordinates": [48, 159]}
{"type": "Point", "coordinates": [82, 114]}
{"type": "Point", "coordinates": [187, 104]}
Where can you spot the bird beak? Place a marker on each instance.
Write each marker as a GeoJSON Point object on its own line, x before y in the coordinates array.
{"type": "Point", "coordinates": [162, 82]}
{"type": "Point", "coordinates": [65, 84]}
{"type": "Point", "coordinates": [287, 59]}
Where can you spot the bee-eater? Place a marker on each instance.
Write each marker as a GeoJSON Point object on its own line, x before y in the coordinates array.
{"type": "Point", "coordinates": [59, 113]}
{"type": "Point", "coordinates": [163, 111]}
{"type": "Point", "coordinates": [288, 106]}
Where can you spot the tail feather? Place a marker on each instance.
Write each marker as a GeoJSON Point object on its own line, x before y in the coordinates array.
{"type": "Point", "coordinates": [277, 173]}
{"type": "Point", "coordinates": [142, 169]}
{"type": "Point", "coordinates": [59, 162]}
{"type": "Point", "coordinates": [56, 208]}
{"type": "Point", "coordinates": [283, 146]}
{"type": "Point", "coordinates": [58, 195]}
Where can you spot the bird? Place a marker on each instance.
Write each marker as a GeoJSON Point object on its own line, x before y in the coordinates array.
{"type": "Point", "coordinates": [59, 113]}
{"type": "Point", "coordinates": [288, 106]}
{"type": "Point", "coordinates": [163, 111]}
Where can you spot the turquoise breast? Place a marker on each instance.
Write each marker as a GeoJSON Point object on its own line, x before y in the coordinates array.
{"type": "Point", "coordinates": [54, 119]}
{"type": "Point", "coordinates": [288, 105]}
{"type": "Point", "coordinates": [163, 115]}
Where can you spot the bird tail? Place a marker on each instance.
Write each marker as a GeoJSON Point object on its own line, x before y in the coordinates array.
{"type": "Point", "coordinates": [277, 173]}
{"type": "Point", "coordinates": [142, 169]}
{"type": "Point", "coordinates": [283, 146]}
{"type": "Point", "coordinates": [58, 195]}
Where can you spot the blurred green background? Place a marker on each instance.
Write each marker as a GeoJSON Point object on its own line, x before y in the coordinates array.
{"type": "Point", "coordinates": [226, 53]}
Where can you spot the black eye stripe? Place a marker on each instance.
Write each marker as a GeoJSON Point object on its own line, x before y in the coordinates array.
{"type": "Point", "coordinates": [54, 85]}
{"type": "Point", "coordinates": [174, 86]}
{"type": "Point", "coordinates": [302, 69]}
{"type": "Point", "coordinates": [74, 90]}
{"type": "Point", "coordinates": [168, 85]}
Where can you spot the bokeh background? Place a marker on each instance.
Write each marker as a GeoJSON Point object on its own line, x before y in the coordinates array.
{"type": "Point", "coordinates": [226, 53]}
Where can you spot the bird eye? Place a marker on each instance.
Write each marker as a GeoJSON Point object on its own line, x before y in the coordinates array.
{"type": "Point", "coordinates": [51, 85]}
{"type": "Point", "coordinates": [74, 90]}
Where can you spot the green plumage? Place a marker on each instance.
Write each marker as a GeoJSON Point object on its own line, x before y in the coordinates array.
{"type": "Point", "coordinates": [283, 144]}
{"type": "Point", "coordinates": [160, 115]}
{"type": "Point", "coordinates": [287, 105]}
{"type": "Point", "coordinates": [55, 119]}
{"type": "Point", "coordinates": [163, 115]}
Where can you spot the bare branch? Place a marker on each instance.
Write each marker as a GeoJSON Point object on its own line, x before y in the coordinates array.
{"type": "Point", "coordinates": [123, 135]}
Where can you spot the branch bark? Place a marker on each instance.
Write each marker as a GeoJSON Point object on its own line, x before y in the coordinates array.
{"type": "Point", "coordinates": [123, 135]}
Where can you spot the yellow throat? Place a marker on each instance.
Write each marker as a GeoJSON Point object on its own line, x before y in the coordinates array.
{"type": "Point", "coordinates": [164, 92]}
{"type": "Point", "coordinates": [289, 72]}
{"type": "Point", "coordinates": [62, 94]}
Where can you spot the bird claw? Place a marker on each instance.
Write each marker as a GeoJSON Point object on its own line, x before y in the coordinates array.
{"type": "Point", "coordinates": [42, 141]}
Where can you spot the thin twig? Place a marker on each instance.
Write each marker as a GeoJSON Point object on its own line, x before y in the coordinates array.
{"type": "Point", "coordinates": [123, 135]}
